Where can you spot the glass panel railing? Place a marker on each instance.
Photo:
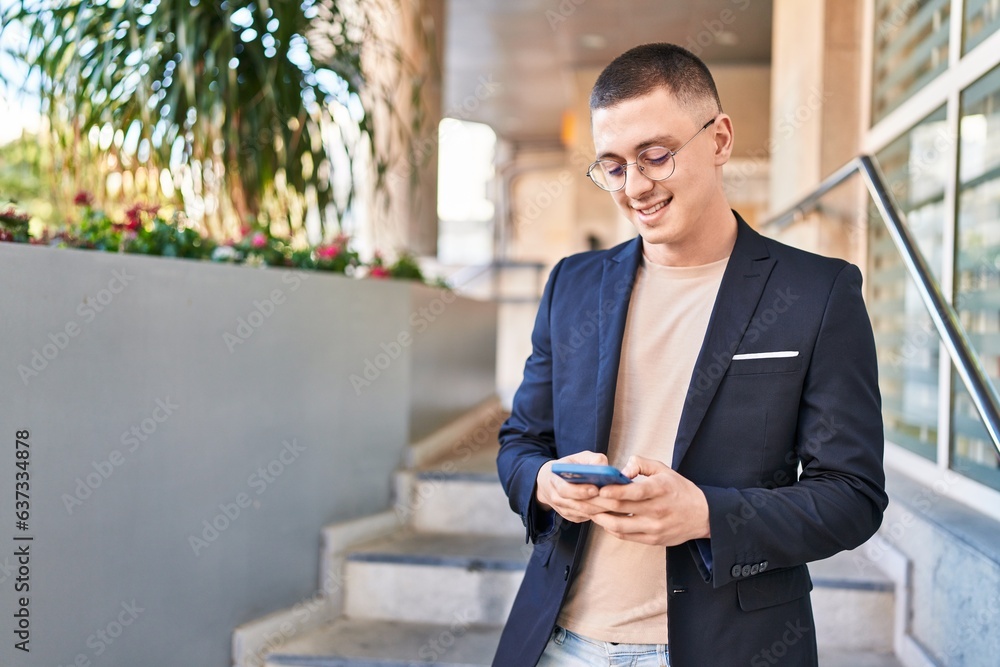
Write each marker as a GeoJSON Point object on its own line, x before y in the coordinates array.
{"type": "Point", "coordinates": [911, 430]}
{"type": "Point", "coordinates": [916, 168]}
{"type": "Point", "coordinates": [977, 263]}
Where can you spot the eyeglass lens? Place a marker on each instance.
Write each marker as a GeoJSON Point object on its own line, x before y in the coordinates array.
{"type": "Point", "coordinates": [655, 163]}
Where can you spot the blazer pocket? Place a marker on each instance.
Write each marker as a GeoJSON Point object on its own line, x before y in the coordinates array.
{"type": "Point", "coordinates": [765, 365]}
{"type": "Point", "coordinates": [773, 588]}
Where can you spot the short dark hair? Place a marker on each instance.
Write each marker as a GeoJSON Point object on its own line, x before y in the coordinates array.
{"type": "Point", "coordinates": [640, 70]}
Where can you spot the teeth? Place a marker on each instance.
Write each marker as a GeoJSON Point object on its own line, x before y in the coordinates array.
{"type": "Point", "coordinates": [654, 209]}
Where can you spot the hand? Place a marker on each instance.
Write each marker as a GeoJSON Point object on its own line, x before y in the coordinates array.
{"type": "Point", "coordinates": [569, 500]}
{"type": "Point", "coordinates": [659, 507]}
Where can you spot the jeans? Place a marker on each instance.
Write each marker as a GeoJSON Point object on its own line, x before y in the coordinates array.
{"type": "Point", "coordinates": [567, 649]}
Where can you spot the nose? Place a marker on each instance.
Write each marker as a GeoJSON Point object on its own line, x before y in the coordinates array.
{"type": "Point", "coordinates": [637, 184]}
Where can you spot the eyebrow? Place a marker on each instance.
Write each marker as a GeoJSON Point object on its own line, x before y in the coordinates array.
{"type": "Point", "coordinates": [662, 140]}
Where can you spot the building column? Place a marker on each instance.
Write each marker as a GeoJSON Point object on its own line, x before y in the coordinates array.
{"type": "Point", "coordinates": [407, 219]}
{"type": "Point", "coordinates": [817, 94]}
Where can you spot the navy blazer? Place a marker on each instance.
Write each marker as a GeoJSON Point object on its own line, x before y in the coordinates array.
{"type": "Point", "coordinates": [750, 419]}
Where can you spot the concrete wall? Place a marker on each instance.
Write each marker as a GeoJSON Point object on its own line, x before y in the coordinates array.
{"type": "Point", "coordinates": [952, 554]}
{"type": "Point", "coordinates": [192, 427]}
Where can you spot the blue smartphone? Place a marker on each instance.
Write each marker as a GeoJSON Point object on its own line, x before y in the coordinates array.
{"type": "Point", "coordinates": [584, 473]}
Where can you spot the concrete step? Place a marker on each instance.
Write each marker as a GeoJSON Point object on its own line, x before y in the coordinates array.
{"type": "Point", "coordinates": [853, 604]}
{"type": "Point", "coordinates": [832, 658]}
{"type": "Point", "coordinates": [351, 642]}
{"type": "Point", "coordinates": [370, 643]}
{"type": "Point", "coordinates": [435, 578]}
{"type": "Point", "coordinates": [461, 495]}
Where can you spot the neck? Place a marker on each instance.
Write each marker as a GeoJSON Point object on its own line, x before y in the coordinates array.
{"type": "Point", "coordinates": [713, 243]}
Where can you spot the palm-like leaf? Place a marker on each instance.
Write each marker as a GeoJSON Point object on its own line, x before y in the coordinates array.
{"type": "Point", "coordinates": [247, 106]}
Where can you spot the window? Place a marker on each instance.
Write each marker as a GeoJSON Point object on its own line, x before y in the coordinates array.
{"type": "Point", "coordinates": [977, 266]}
{"type": "Point", "coordinates": [982, 19]}
{"type": "Point", "coordinates": [916, 169]}
{"type": "Point", "coordinates": [911, 49]}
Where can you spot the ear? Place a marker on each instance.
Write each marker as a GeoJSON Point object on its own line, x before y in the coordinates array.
{"type": "Point", "coordinates": [722, 130]}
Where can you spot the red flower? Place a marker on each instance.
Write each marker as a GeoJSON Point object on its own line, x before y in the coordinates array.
{"type": "Point", "coordinates": [258, 240]}
{"type": "Point", "coordinates": [380, 272]}
{"type": "Point", "coordinates": [83, 198]}
{"type": "Point", "coordinates": [133, 216]}
{"type": "Point", "coordinates": [328, 252]}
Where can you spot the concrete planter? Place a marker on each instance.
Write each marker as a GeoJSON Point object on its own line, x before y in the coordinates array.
{"type": "Point", "coordinates": [192, 426]}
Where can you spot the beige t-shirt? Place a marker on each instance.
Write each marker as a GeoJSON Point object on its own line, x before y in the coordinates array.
{"type": "Point", "coordinates": [620, 594]}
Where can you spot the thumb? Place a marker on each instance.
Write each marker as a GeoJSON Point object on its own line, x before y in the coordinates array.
{"type": "Point", "coordinates": [638, 465]}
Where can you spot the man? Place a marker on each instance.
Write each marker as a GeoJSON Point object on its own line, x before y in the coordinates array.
{"type": "Point", "coordinates": [708, 363]}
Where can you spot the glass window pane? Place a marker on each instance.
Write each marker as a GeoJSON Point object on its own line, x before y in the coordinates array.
{"type": "Point", "coordinates": [915, 166]}
{"type": "Point", "coordinates": [982, 19]}
{"type": "Point", "coordinates": [910, 48]}
{"type": "Point", "coordinates": [977, 270]}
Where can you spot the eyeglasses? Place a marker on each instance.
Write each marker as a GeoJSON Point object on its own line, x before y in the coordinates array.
{"type": "Point", "coordinates": [656, 163]}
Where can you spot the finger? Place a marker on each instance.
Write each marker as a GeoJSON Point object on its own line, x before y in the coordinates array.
{"type": "Point", "coordinates": [588, 457]}
{"type": "Point", "coordinates": [578, 511]}
{"type": "Point", "coordinates": [612, 505]}
{"type": "Point", "coordinates": [618, 525]}
{"type": "Point", "coordinates": [641, 488]}
{"type": "Point", "coordinates": [638, 465]}
{"type": "Point", "coordinates": [565, 489]}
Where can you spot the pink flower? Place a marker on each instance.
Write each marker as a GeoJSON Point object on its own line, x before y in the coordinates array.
{"type": "Point", "coordinates": [379, 272]}
{"type": "Point", "coordinates": [258, 240]}
{"type": "Point", "coordinates": [328, 252]}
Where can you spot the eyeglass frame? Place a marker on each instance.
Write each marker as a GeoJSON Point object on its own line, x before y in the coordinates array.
{"type": "Point", "coordinates": [625, 166]}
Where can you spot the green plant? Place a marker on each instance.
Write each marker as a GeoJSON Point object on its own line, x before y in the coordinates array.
{"type": "Point", "coordinates": [255, 107]}
{"type": "Point", "coordinates": [143, 230]}
{"type": "Point", "coordinates": [14, 225]}
{"type": "Point", "coordinates": [336, 256]}
{"type": "Point", "coordinates": [405, 267]}
{"type": "Point", "coordinates": [168, 239]}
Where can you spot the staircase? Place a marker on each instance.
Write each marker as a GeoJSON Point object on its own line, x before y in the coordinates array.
{"type": "Point", "coordinates": [432, 582]}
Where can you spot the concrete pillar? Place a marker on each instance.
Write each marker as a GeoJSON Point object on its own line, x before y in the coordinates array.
{"type": "Point", "coordinates": [817, 92]}
{"type": "Point", "coordinates": [406, 219]}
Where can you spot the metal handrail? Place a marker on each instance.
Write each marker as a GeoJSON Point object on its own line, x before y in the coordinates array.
{"type": "Point", "coordinates": [946, 321]}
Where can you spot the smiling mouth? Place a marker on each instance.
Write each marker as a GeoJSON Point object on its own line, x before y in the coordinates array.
{"type": "Point", "coordinates": [656, 207]}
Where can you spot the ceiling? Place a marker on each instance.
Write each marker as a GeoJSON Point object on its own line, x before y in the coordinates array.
{"type": "Point", "coordinates": [512, 63]}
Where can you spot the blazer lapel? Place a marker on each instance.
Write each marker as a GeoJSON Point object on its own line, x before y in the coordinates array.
{"type": "Point", "coordinates": [742, 284]}
{"type": "Point", "coordinates": [617, 281]}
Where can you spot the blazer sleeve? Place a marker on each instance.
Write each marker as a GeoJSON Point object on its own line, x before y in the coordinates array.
{"type": "Point", "coordinates": [838, 500]}
{"type": "Point", "coordinates": [527, 438]}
